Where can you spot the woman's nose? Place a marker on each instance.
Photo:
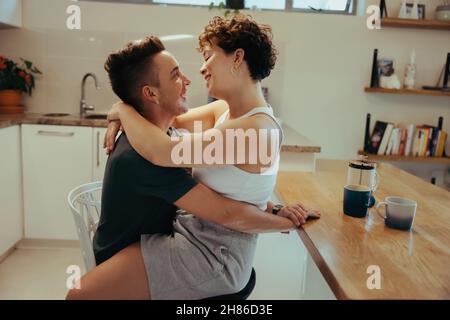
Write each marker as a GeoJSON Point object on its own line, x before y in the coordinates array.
{"type": "Point", "coordinates": [203, 69]}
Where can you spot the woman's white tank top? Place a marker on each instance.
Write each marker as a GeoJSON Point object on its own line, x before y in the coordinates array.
{"type": "Point", "coordinates": [235, 183]}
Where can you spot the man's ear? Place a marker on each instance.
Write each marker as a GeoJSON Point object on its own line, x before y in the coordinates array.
{"type": "Point", "coordinates": [150, 94]}
{"type": "Point", "coordinates": [238, 57]}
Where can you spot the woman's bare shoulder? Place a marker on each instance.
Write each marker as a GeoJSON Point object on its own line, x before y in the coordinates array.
{"type": "Point", "coordinates": [219, 107]}
{"type": "Point", "coordinates": [259, 121]}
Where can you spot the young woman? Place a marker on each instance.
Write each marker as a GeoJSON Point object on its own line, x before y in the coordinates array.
{"type": "Point", "coordinates": [204, 259]}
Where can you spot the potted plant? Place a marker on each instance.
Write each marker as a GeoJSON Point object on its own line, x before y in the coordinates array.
{"type": "Point", "coordinates": [14, 80]}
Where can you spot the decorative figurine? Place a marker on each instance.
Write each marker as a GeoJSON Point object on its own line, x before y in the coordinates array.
{"type": "Point", "coordinates": [410, 72]}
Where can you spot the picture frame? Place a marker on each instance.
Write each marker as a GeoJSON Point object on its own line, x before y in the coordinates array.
{"type": "Point", "coordinates": [385, 67]}
{"type": "Point", "coordinates": [421, 8]}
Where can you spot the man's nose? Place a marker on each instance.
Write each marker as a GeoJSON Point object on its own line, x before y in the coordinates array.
{"type": "Point", "coordinates": [186, 81]}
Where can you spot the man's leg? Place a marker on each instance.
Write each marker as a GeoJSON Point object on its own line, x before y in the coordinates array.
{"type": "Point", "coordinates": [123, 277]}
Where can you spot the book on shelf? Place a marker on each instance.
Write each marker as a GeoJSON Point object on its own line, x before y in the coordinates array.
{"type": "Point", "coordinates": [442, 139]}
{"type": "Point", "coordinates": [403, 138]}
{"type": "Point", "coordinates": [386, 137]}
{"type": "Point", "coordinates": [396, 138]}
{"type": "Point", "coordinates": [407, 140]}
{"type": "Point", "coordinates": [416, 142]}
{"type": "Point", "coordinates": [380, 136]}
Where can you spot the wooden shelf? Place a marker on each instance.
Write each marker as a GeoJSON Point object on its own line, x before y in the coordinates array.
{"type": "Point", "coordinates": [444, 160]}
{"type": "Point", "coordinates": [416, 24]}
{"type": "Point", "coordinates": [407, 91]}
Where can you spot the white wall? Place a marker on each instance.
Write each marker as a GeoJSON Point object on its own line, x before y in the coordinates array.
{"type": "Point", "coordinates": [317, 86]}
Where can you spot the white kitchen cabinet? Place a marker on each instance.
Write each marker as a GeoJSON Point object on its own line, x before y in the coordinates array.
{"type": "Point", "coordinates": [99, 155]}
{"type": "Point", "coordinates": [279, 263]}
{"type": "Point", "coordinates": [55, 160]}
{"type": "Point", "coordinates": [288, 272]}
{"type": "Point", "coordinates": [10, 13]}
{"type": "Point", "coordinates": [11, 217]}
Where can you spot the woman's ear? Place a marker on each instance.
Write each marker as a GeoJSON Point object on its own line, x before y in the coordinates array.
{"type": "Point", "coordinates": [238, 57]}
{"type": "Point", "coordinates": [150, 94]}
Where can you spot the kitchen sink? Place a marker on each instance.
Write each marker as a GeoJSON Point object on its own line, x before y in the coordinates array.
{"type": "Point", "coordinates": [56, 114]}
{"type": "Point", "coordinates": [96, 116]}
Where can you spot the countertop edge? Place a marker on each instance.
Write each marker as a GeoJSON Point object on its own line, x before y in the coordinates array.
{"type": "Point", "coordinates": [70, 120]}
{"type": "Point", "coordinates": [321, 264]}
{"type": "Point", "coordinates": [296, 142]}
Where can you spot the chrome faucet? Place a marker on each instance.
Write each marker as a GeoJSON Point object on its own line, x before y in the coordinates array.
{"type": "Point", "coordinates": [83, 105]}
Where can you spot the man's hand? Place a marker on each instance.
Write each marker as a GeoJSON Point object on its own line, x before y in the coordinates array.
{"type": "Point", "coordinates": [110, 136]}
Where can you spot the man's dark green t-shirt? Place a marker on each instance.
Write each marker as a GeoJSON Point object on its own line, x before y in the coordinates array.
{"type": "Point", "coordinates": [137, 198]}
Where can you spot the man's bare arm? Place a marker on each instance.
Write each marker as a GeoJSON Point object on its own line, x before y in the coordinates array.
{"type": "Point", "coordinates": [207, 204]}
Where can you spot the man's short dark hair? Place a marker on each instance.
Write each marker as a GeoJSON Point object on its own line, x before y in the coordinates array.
{"type": "Point", "coordinates": [131, 67]}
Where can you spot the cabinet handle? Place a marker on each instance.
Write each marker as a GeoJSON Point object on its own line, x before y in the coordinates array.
{"type": "Point", "coordinates": [98, 149]}
{"type": "Point", "coordinates": [56, 133]}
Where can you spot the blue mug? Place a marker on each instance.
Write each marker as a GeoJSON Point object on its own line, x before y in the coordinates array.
{"type": "Point", "coordinates": [357, 200]}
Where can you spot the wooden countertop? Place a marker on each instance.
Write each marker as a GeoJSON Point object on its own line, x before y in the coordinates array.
{"type": "Point", "coordinates": [414, 264]}
{"type": "Point", "coordinates": [293, 141]}
{"type": "Point", "coordinates": [296, 142]}
{"type": "Point", "coordinates": [7, 120]}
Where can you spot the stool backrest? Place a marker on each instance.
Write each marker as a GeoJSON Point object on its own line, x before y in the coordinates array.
{"type": "Point", "coordinates": [85, 204]}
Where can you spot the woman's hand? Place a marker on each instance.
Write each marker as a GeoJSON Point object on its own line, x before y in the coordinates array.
{"type": "Point", "coordinates": [113, 113]}
{"type": "Point", "coordinates": [114, 126]}
{"type": "Point", "coordinates": [110, 137]}
{"type": "Point", "coordinates": [298, 213]}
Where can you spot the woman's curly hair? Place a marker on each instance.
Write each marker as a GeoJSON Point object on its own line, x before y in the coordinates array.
{"type": "Point", "coordinates": [243, 32]}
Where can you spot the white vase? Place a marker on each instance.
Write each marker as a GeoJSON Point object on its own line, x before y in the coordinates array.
{"type": "Point", "coordinates": [410, 76]}
{"type": "Point", "coordinates": [410, 72]}
{"type": "Point", "coordinates": [415, 11]}
{"type": "Point", "coordinates": [403, 14]}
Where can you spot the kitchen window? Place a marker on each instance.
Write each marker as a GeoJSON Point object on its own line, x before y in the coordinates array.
{"type": "Point", "coordinates": [315, 6]}
{"type": "Point", "coordinates": [328, 6]}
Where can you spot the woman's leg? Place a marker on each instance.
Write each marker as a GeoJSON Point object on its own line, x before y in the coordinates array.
{"type": "Point", "coordinates": [123, 276]}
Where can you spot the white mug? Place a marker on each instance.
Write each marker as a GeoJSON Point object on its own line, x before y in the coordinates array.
{"type": "Point", "coordinates": [400, 212]}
